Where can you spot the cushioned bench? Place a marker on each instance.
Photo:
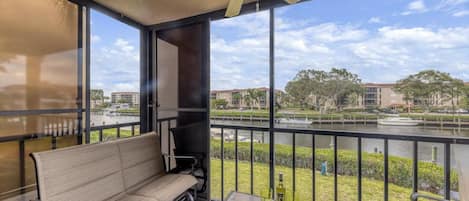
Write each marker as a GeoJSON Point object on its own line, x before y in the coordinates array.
{"type": "Point", "coordinates": [129, 169]}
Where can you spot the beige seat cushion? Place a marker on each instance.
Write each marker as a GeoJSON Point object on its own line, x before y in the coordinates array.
{"type": "Point", "coordinates": [136, 198]}
{"type": "Point", "coordinates": [168, 187]}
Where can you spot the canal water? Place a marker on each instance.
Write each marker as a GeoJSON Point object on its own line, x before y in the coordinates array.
{"type": "Point", "coordinates": [396, 148]}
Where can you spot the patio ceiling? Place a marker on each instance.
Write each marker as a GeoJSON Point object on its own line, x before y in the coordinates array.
{"type": "Point", "coordinates": [149, 12]}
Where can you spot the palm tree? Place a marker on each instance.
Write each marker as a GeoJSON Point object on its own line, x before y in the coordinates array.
{"type": "Point", "coordinates": [247, 99]}
{"type": "Point", "coordinates": [253, 96]}
{"type": "Point", "coordinates": [237, 98]}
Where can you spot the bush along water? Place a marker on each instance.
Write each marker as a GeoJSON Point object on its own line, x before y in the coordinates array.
{"type": "Point", "coordinates": [431, 175]}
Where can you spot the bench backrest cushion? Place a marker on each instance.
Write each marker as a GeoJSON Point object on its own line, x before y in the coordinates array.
{"type": "Point", "coordinates": [141, 159]}
{"type": "Point", "coordinates": [80, 173]}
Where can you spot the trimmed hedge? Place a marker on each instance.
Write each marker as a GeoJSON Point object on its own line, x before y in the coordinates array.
{"type": "Point", "coordinates": [431, 176]}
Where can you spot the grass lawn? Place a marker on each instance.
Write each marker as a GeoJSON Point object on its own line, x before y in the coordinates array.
{"type": "Point", "coordinates": [347, 185]}
{"type": "Point", "coordinates": [109, 134]}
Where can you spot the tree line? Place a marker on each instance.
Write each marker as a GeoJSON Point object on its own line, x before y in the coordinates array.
{"type": "Point", "coordinates": [319, 89]}
{"type": "Point", "coordinates": [337, 88]}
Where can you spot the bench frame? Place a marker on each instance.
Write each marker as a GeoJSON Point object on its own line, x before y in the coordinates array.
{"type": "Point", "coordinates": [187, 194]}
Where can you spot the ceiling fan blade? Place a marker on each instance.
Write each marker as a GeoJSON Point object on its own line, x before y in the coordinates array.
{"type": "Point", "coordinates": [234, 8]}
{"type": "Point", "coordinates": [292, 1]}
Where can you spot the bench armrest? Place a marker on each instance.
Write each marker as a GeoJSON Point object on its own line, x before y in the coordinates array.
{"type": "Point", "coordinates": [194, 159]}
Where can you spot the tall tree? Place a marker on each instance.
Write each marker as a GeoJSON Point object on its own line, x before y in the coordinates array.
{"type": "Point", "coordinates": [299, 91]}
{"type": "Point", "coordinates": [253, 97]}
{"type": "Point", "coordinates": [430, 87]}
{"type": "Point", "coordinates": [334, 86]}
{"type": "Point", "coordinates": [340, 85]}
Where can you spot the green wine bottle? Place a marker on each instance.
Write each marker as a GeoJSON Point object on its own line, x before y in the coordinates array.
{"type": "Point", "coordinates": [280, 188]}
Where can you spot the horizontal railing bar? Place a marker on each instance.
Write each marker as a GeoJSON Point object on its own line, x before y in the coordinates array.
{"type": "Point", "coordinates": [253, 128]}
{"type": "Point", "coordinates": [420, 138]}
{"type": "Point", "coordinates": [96, 128]}
{"type": "Point", "coordinates": [38, 112]}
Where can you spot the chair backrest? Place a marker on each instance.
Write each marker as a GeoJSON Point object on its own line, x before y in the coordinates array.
{"type": "Point", "coordinates": [141, 159]}
{"type": "Point", "coordinates": [97, 172]}
{"type": "Point", "coordinates": [79, 173]}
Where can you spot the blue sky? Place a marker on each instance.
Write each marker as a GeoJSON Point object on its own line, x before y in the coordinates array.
{"type": "Point", "coordinates": [381, 41]}
{"type": "Point", "coordinates": [115, 55]}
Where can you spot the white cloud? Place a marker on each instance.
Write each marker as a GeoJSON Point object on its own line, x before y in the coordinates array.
{"type": "Point", "coordinates": [450, 3]}
{"type": "Point", "coordinates": [375, 20]}
{"type": "Point", "coordinates": [115, 67]}
{"type": "Point", "coordinates": [461, 13]}
{"type": "Point", "coordinates": [384, 54]}
{"type": "Point", "coordinates": [123, 45]}
{"type": "Point", "coordinates": [417, 6]}
{"type": "Point", "coordinates": [456, 8]}
{"type": "Point", "coordinates": [95, 38]}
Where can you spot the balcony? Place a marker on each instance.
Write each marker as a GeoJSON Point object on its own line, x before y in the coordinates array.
{"type": "Point", "coordinates": [346, 104]}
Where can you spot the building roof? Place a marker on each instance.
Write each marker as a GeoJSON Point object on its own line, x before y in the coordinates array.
{"type": "Point", "coordinates": [378, 84]}
{"type": "Point", "coordinates": [238, 90]}
{"type": "Point", "coordinates": [129, 93]}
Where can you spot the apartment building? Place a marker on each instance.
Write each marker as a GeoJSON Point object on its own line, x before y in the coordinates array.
{"type": "Point", "coordinates": [131, 98]}
{"type": "Point", "coordinates": [236, 97]}
{"type": "Point", "coordinates": [381, 95]}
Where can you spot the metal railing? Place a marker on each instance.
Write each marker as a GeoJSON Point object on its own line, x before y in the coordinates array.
{"type": "Point", "coordinates": [118, 128]}
{"type": "Point", "coordinates": [360, 136]}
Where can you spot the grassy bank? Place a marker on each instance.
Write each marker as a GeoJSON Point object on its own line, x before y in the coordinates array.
{"type": "Point", "coordinates": [372, 189]}
{"type": "Point", "coordinates": [109, 134]}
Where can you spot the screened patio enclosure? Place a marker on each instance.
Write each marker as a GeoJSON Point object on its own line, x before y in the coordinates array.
{"type": "Point", "coordinates": [76, 72]}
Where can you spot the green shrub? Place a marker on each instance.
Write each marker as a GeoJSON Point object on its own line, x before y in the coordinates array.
{"type": "Point", "coordinates": [431, 176]}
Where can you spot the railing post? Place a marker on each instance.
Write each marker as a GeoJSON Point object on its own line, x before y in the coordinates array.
{"type": "Point", "coordinates": [447, 167]}
{"type": "Point", "coordinates": [294, 164]}
{"type": "Point", "coordinates": [100, 134]}
{"type": "Point", "coordinates": [53, 142]}
{"type": "Point", "coordinates": [118, 132]}
{"type": "Point", "coordinates": [236, 159]}
{"type": "Point", "coordinates": [160, 130]}
{"type": "Point", "coordinates": [313, 164]}
{"type": "Point", "coordinates": [335, 168]}
{"type": "Point", "coordinates": [252, 162]}
{"type": "Point", "coordinates": [415, 168]}
{"type": "Point", "coordinates": [386, 170]}
{"type": "Point", "coordinates": [222, 153]}
{"type": "Point", "coordinates": [22, 166]}
{"type": "Point", "coordinates": [359, 166]}
{"type": "Point", "coordinates": [169, 144]}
